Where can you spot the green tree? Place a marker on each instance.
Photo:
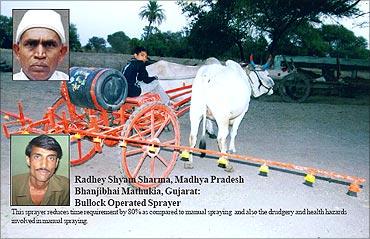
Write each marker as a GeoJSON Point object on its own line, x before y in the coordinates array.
{"type": "Point", "coordinates": [278, 18]}
{"type": "Point", "coordinates": [327, 40]}
{"type": "Point", "coordinates": [274, 18]}
{"type": "Point", "coordinates": [215, 27]}
{"type": "Point", "coordinates": [167, 44]}
{"type": "Point", "coordinates": [152, 29]}
{"type": "Point", "coordinates": [74, 41]}
{"type": "Point", "coordinates": [88, 47]}
{"type": "Point", "coordinates": [211, 36]}
{"type": "Point", "coordinates": [304, 40]}
{"type": "Point", "coordinates": [153, 13]}
{"type": "Point", "coordinates": [343, 42]}
{"type": "Point", "coordinates": [97, 44]}
{"type": "Point", "coordinates": [134, 42]}
{"type": "Point", "coordinates": [6, 32]}
{"type": "Point", "coordinates": [120, 42]}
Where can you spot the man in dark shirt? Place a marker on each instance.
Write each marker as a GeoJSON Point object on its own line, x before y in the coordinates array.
{"type": "Point", "coordinates": [138, 79]}
{"type": "Point", "coordinates": [41, 186]}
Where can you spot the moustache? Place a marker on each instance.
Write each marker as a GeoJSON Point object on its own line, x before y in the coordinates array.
{"type": "Point", "coordinates": [43, 169]}
{"type": "Point", "coordinates": [39, 63]}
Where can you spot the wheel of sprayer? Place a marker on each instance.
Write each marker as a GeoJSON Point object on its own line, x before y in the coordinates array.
{"type": "Point", "coordinates": [81, 148]}
{"type": "Point", "coordinates": [146, 164]}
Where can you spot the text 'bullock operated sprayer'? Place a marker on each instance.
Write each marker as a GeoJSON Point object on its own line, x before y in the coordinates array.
{"type": "Point", "coordinates": [95, 111]}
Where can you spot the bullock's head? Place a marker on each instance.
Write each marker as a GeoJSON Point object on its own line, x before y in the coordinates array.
{"type": "Point", "coordinates": [259, 78]}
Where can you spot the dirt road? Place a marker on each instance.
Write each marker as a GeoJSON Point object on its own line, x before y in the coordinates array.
{"type": "Point", "coordinates": [331, 136]}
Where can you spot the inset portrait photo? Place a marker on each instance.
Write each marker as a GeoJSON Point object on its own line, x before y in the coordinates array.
{"type": "Point", "coordinates": [40, 170]}
{"type": "Point", "coordinates": [40, 44]}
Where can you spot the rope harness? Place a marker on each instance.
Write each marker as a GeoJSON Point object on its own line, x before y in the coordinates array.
{"type": "Point", "coordinates": [259, 81]}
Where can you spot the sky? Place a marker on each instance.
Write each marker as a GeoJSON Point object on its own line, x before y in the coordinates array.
{"type": "Point", "coordinates": [101, 18]}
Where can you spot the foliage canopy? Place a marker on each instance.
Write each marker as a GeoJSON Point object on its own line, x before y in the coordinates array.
{"type": "Point", "coordinates": [232, 29]}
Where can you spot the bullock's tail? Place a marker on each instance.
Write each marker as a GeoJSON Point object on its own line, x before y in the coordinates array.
{"type": "Point", "coordinates": [202, 143]}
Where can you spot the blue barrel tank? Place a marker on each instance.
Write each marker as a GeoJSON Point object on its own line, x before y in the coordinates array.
{"type": "Point", "coordinates": [97, 88]}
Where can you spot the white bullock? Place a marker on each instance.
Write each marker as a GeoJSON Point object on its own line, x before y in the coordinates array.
{"type": "Point", "coordinates": [172, 75]}
{"type": "Point", "coordinates": [166, 70]}
{"type": "Point", "coordinates": [223, 93]}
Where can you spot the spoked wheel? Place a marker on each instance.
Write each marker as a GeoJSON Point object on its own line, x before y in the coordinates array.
{"type": "Point", "coordinates": [147, 165]}
{"type": "Point", "coordinates": [295, 87]}
{"type": "Point", "coordinates": [81, 148]}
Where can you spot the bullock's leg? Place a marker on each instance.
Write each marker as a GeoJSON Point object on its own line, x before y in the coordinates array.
{"type": "Point", "coordinates": [210, 130]}
{"type": "Point", "coordinates": [223, 131]}
{"type": "Point", "coordinates": [192, 142]}
{"type": "Point", "coordinates": [234, 132]}
{"type": "Point", "coordinates": [195, 117]}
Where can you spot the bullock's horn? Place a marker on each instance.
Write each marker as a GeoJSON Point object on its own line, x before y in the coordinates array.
{"type": "Point", "coordinates": [267, 64]}
{"type": "Point", "coordinates": [251, 61]}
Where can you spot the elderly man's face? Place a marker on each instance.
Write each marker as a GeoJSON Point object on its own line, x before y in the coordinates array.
{"type": "Point", "coordinates": [39, 52]}
{"type": "Point", "coordinates": [42, 163]}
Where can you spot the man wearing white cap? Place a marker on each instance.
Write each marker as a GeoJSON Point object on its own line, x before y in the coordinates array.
{"type": "Point", "coordinates": [40, 45]}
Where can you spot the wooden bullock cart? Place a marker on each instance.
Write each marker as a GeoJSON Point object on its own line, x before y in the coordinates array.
{"type": "Point", "coordinates": [296, 76]}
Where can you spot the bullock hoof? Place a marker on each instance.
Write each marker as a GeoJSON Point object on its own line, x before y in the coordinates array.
{"type": "Point", "coordinates": [231, 151]}
{"type": "Point", "coordinates": [229, 168]}
{"type": "Point", "coordinates": [188, 165]}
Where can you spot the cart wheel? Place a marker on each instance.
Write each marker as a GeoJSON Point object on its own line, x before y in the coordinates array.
{"type": "Point", "coordinates": [81, 149]}
{"type": "Point", "coordinates": [147, 165]}
{"type": "Point", "coordinates": [295, 87]}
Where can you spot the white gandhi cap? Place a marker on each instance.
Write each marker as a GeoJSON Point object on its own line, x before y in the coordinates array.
{"type": "Point", "coordinates": [41, 18]}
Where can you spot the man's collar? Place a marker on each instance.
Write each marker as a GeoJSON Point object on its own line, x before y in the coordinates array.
{"type": "Point", "coordinates": [23, 75]}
